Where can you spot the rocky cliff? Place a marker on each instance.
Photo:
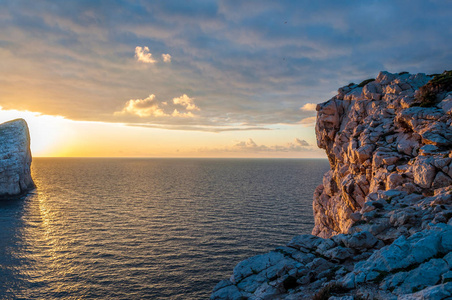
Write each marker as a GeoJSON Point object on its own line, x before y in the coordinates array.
{"type": "Point", "coordinates": [15, 159]}
{"type": "Point", "coordinates": [382, 136]}
{"type": "Point", "coordinates": [383, 213]}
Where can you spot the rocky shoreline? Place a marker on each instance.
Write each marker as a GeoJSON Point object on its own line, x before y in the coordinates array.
{"type": "Point", "coordinates": [15, 159]}
{"type": "Point", "coordinates": [383, 213]}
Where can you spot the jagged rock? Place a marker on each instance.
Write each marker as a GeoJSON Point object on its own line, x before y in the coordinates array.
{"type": "Point", "coordinates": [255, 265]}
{"type": "Point", "coordinates": [361, 240]}
{"type": "Point", "coordinates": [15, 159]}
{"type": "Point", "coordinates": [226, 290]}
{"type": "Point", "coordinates": [427, 274]}
{"type": "Point", "coordinates": [437, 292]}
{"type": "Point", "coordinates": [383, 213]}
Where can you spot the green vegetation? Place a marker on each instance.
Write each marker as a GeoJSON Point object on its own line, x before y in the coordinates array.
{"type": "Point", "coordinates": [366, 82]}
{"type": "Point", "coordinates": [403, 73]}
{"type": "Point", "coordinates": [428, 94]}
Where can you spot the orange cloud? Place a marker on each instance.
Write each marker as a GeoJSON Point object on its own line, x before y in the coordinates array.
{"type": "Point", "coordinates": [186, 102]}
{"type": "Point", "coordinates": [143, 107]}
{"type": "Point", "coordinates": [309, 107]}
{"type": "Point", "coordinates": [180, 107]}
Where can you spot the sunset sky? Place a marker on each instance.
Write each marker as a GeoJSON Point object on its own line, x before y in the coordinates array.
{"type": "Point", "coordinates": [200, 78]}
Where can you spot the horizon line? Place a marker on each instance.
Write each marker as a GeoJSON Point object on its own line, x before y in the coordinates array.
{"type": "Point", "coordinates": [178, 157]}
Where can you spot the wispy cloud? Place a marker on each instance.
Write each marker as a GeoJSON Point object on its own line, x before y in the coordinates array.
{"type": "Point", "coordinates": [142, 54]}
{"type": "Point", "coordinates": [308, 122]}
{"type": "Point", "coordinates": [201, 128]}
{"type": "Point", "coordinates": [251, 146]}
{"type": "Point", "coordinates": [179, 107]}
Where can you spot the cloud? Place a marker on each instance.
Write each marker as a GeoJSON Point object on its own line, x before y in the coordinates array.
{"type": "Point", "coordinates": [143, 107]}
{"type": "Point", "coordinates": [235, 57]}
{"type": "Point", "coordinates": [166, 58]}
{"type": "Point", "coordinates": [180, 107]}
{"type": "Point", "coordinates": [142, 54]}
{"type": "Point", "coordinates": [302, 143]}
{"type": "Point", "coordinates": [202, 128]}
{"type": "Point", "coordinates": [186, 102]}
{"type": "Point", "coordinates": [252, 147]}
{"type": "Point", "coordinates": [179, 114]}
{"type": "Point", "coordinates": [308, 122]}
{"type": "Point", "coordinates": [309, 107]}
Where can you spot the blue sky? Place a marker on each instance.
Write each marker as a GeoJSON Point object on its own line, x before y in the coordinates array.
{"type": "Point", "coordinates": [211, 66]}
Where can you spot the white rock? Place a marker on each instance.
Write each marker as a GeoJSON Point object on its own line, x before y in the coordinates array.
{"type": "Point", "coordinates": [361, 240]}
{"type": "Point", "coordinates": [424, 172]}
{"type": "Point", "coordinates": [255, 265]}
{"type": "Point", "coordinates": [306, 241]}
{"type": "Point", "coordinates": [385, 77]}
{"type": "Point", "coordinates": [436, 292]}
{"type": "Point", "coordinates": [425, 275]}
{"type": "Point", "coordinates": [229, 292]}
{"type": "Point", "coordinates": [15, 158]}
{"type": "Point", "coordinates": [372, 90]}
{"type": "Point", "coordinates": [441, 180]}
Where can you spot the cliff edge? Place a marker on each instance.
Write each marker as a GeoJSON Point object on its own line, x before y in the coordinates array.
{"type": "Point", "coordinates": [383, 213]}
{"type": "Point", "coordinates": [15, 159]}
{"type": "Point", "coordinates": [393, 133]}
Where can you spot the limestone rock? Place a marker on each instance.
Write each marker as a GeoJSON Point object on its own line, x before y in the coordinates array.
{"type": "Point", "coordinates": [383, 212]}
{"type": "Point", "coordinates": [15, 159]}
{"type": "Point", "coordinates": [377, 143]}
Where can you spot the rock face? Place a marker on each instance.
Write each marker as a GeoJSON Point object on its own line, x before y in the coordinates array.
{"type": "Point", "coordinates": [15, 159]}
{"type": "Point", "coordinates": [383, 213]}
{"type": "Point", "coordinates": [378, 141]}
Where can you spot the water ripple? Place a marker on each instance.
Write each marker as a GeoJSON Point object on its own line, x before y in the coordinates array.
{"type": "Point", "coordinates": [148, 228]}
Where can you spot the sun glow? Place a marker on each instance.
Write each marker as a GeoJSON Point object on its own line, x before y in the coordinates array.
{"type": "Point", "coordinates": [56, 136]}
{"type": "Point", "coordinates": [45, 131]}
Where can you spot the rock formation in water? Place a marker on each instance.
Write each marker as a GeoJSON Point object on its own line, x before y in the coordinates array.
{"type": "Point", "coordinates": [15, 159]}
{"type": "Point", "coordinates": [383, 214]}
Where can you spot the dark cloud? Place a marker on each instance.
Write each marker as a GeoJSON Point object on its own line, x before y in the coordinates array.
{"type": "Point", "coordinates": [247, 63]}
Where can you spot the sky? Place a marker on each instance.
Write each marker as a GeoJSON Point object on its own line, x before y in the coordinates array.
{"type": "Point", "coordinates": [201, 78]}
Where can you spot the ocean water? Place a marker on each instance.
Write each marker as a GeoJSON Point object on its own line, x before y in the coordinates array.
{"type": "Point", "coordinates": [148, 228]}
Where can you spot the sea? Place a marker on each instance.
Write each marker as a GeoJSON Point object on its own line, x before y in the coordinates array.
{"type": "Point", "coordinates": [133, 228]}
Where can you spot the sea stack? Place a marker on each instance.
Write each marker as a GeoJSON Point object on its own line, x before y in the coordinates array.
{"type": "Point", "coordinates": [15, 159]}
{"type": "Point", "coordinates": [383, 213]}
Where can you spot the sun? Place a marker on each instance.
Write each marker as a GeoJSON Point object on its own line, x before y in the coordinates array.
{"type": "Point", "coordinates": [45, 130]}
